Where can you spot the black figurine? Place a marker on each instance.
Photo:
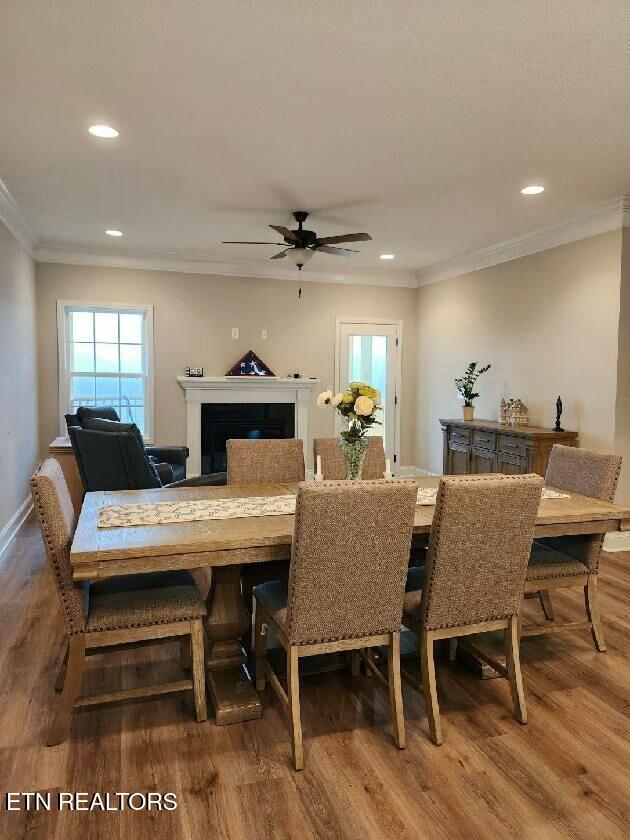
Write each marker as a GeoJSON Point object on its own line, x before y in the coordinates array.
{"type": "Point", "coordinates": [558, 415]}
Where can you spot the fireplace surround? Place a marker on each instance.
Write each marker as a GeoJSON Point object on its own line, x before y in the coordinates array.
{"type": "Point", "coordinates": [231, 391]}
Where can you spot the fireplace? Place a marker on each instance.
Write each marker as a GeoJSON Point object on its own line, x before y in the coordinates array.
{"type": "Point", "coordinates": [221, 407]}
{"type": "Point", "coordinates": [222, 421]}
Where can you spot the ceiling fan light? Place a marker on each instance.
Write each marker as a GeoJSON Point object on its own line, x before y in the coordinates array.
{"type": "Point", "coordinates": [299, 256]}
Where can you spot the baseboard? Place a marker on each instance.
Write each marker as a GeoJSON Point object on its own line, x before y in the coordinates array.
{"type": "Point", "coordinates": [617, 541]}
{"type": "Point", "coordinates": [14, 524]}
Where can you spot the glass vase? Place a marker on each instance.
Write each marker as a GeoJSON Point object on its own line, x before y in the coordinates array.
{"type": "Point", "coordinates": [354, 455]}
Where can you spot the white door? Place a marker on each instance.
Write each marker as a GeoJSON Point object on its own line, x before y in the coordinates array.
{"type": "Point", "coordinates": [369, 352]}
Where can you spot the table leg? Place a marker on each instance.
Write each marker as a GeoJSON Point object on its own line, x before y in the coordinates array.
{"type": "Point", "coordinates": [231, 690]}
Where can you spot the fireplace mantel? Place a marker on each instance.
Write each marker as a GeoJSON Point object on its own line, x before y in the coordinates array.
{"type": "Point", "coordinates": [241, 389]}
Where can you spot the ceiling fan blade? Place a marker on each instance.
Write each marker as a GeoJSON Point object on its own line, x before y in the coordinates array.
{"type": "Point", "coordinates": [239, 242]}
{"type": "Point", "coordinates": [344, 237]}
{"type": "Point", "coordinates": [280, 254]}
{"type": "Point", "coordinates": [284, 231]}
{"type": "Point", "coordinates": [340, 252]}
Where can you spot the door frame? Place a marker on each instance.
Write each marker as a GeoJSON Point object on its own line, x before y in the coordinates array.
{"type": "Point", "coordinates": [387, 322]}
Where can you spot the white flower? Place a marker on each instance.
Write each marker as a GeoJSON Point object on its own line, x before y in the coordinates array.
{"type": "Point", "coordinates": [336, 400]}
{"type": "Point", "coordinates": [324, 399]}
{"type": "Point", "coordinates": [364, 406]}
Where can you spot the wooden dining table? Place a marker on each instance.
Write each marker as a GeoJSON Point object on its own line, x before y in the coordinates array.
{"type": "Point", "coordinates": [226, 545]}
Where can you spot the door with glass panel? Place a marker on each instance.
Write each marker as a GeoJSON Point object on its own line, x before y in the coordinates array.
{"type": "Point", "coordinates": [106, 362]}
{"type": "Point", "coordinates": [368, 352]}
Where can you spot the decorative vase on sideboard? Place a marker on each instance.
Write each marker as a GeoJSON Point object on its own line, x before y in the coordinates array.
{"type": "Point", "coordinates": [469, 412]}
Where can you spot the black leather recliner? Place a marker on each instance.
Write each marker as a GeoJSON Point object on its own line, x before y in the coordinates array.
{"type": "Point", "coordinates": [111, 456]}
{"type": "Point", "coordinates": [162, 456]}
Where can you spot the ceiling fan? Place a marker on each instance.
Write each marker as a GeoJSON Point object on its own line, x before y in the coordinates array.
{"type": "Point", "coordinates": [300, 245]}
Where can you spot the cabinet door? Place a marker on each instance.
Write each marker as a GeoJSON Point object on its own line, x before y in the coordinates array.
{"type": "Point", "coordinates": [482, 460]}
{"type": "Point", "coordinates": [511, 464]}
{"type": "Point", "coordinates": [458, 458]}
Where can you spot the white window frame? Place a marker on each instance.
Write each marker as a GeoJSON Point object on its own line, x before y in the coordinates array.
{"type": "Point", "coordinates": [389, 322]}
{"type": "Point", "coordinates": [63, 340]}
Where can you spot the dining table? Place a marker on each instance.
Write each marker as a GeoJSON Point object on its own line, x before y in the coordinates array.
{"type": "Point", "coordinates": [226, 545]}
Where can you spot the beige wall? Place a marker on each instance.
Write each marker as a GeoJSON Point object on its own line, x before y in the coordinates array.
{"type": "Point", "coordinates": [18, 375]}
{"type": "Point", "coordinates": [548, 323]}
{"type": "Point", "coordinates": [622, 408]}
{"type": "Point", "coordinates": [193, 317]}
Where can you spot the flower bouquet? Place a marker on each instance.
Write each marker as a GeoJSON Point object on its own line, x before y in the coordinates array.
{"type": "Point", "coordinates": [358, 406]}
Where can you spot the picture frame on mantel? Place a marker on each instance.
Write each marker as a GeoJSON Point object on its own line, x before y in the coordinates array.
{"type": "Point", "coordinates": [250, 365]}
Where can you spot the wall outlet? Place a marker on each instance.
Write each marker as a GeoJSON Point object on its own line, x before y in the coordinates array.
{"type": "Point", "coordinates": [263, 335]}
{"type": "Point", "coordinates": [235, 332]}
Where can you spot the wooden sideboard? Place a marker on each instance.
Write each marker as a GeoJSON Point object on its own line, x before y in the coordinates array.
{"type": "Point", "coordinates": [485, 446]}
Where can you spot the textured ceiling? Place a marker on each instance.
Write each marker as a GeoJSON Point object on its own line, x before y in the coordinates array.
{"type": "Point", "coordinates": [415, 121]}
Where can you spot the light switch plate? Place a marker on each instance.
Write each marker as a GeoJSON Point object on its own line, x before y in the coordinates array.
{"type": "Point", "coordinates": [263, 335]}
{"type": "Point", "coordinates": [235, 332]}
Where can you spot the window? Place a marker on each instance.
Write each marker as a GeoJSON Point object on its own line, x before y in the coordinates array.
{"type": "Point", "coordinates": [105, 359]}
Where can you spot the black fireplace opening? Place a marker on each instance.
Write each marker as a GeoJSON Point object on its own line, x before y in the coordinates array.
{"type": "Point", "coordinates": [222, 421]}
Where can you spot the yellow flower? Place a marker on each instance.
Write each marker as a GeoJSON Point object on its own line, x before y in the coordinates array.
{"type": "Point", "coordinates": [364, 406]}
{"type": "Point", "coordinates": [368, 391]}
{"type": "Point", "coordinates": [347, 398]}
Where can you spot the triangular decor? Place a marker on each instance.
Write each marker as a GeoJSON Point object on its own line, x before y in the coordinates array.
{"type": "Point", "coordinates": [250, 365]}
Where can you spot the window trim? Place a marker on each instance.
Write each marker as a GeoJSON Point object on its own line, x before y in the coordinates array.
{"type": "Point", "coordinates": [342, 320]}
{"type": "Point", "coordinates": [62, 357]}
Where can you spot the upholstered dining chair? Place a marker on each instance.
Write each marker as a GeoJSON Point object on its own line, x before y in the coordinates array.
{"type": "Point", "coordinates": [111, 613]}
{"type": "Point", "coordinates": [479, 545]}
{"type": "Point", "coordinates": [569, 561]}
{"type": "Point", "coordinates": [334, 465]}
{"type": "Point", "coordinates": [346, 586]}
{"type": "Point", "coordinates": [263, 461]}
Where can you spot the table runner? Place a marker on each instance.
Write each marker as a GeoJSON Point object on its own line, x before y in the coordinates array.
{"type": "Point", "coordinates": [161, 513]}
{"type": "Point", "coordinates": [428, 495]}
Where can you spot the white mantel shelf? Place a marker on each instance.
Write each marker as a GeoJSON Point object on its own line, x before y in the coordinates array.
{"type": "Point", "coordinates": [222, 383]}
{"type": "Point", "coordinates": [242, 389]}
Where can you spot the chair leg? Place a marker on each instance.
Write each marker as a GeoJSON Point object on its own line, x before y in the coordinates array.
{"type": "Point", "coordinates": [545, 603]}
{"type": "Point", "coordinates": [355, 663]}
{"type": "Point", "coordinates": [429, 687]}
{"type": "Point", "coordinates": [295, 722]}
{"type": "Point", "coordinates": [395, 690]}
{"type": "Point", "coordinates": [61, 676]}
{"type": "Point", "coordinates": [260, 646]}
{"type": "Point", "coordinates": [513, 665]}
{"type": "Point", "coordinates": [592, 611]}
{"type": "Point", "coordinates": [60, 728]}
{"type": "Point", "coordinates": [452, 649]}
{"type": "Point", "coordinates": [369, 654]}
{"type": "Point", "coordinates": [184, 652]}
{"type": "Point", "coordinates": [198, 668]}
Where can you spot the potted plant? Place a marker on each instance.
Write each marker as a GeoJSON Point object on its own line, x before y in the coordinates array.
{"type": "Point", "coordinates": [358, 406]}
{"type": "Point", "coordinates": [466, 387]}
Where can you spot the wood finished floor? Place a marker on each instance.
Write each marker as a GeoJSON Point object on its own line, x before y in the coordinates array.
{"type": "Point", "coordinates": [564, 775]}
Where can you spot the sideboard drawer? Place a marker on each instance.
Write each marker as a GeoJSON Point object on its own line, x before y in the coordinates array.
{"type": "Point", "coordinates": [485, 440]}
{"type": "Point", "coordinates": [458, 435]}
{"type": "Point", "coordinates": [512, 445]}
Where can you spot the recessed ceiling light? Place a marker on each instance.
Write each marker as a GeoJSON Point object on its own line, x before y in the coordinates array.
{"type": "Point", "coordinates": [105, 131]}
{"type": "Point", "coordinates": [114, 232]}
{"type": "Point", "coordinates": [387, 256]}
{"type": "Point", "coordinates": [534, 189]}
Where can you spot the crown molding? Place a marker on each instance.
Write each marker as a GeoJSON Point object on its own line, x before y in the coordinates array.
{"type": "Point", "coordinates": [611, 215]}
{"type": "Point", "coordinates": [600, 219]}
{"type": "Point", "coordinates": [15, 220]}
{"type": "Point", "coordinates": [194, 263]}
